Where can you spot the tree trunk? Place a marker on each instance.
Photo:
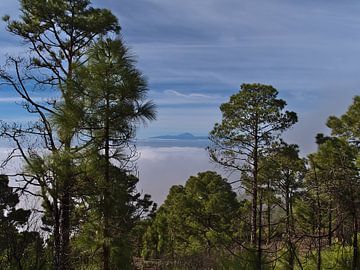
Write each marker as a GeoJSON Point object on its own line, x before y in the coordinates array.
{"type": "Point", "coordinates": [254, 212]}
{"type": "Point", "coordinates": [259, 248]}
{"type": "Point", "coordinates": [255, 191]}
{"type": "Point", "coordinates": [56, 232]}
{"type": "Point", "coordinates": [319, 251]}
{"type": "Point", "coordinates": [330, 233]}
{"type": "Point", "coordinates": [355, 262]}
{"type": "Point", "coordinates": [106, 204]}
{"type": "Point", "coordinates": [268, 213]}
{"type": "Point", "coordinates": [319, 259]}
{"type": "Point", "coordinates": [65, 263]}
{"type": "Point", "coordinates": [256, 241]}
{"type": "Point", "coordinates": [291, 261]}
{"type": "Point", "coordinates": [288, 228]}
{"type": "Point", "coordinates": [66, 190]}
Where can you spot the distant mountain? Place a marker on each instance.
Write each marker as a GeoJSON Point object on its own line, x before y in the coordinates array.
{"type": "Point", "coordinates": [182, 136]}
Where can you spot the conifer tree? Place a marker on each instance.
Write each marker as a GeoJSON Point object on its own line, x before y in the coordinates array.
{"type": "Point", "coordinates": [58, 34]}
{"type": "Point", "coordinates": [113, 93]}
{"type": "Point", "coordinates": [285, 170]}
{"type": "Point", "coordinates": [252, 120]}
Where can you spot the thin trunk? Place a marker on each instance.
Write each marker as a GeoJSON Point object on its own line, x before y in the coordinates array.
{"type": "Point", "coordinates": [287, 210]}
{"type": "Point", "coordinates": [254, 211]}
{"type": "Point", "coordinates": [106, 247]}
{"type": "Point", "coordinates": [319, 259]}
{"type": "Point", "coordinates": [255, 192]}
{"type": "Point", "coordinates": [65, 263]}
{"type": "Point", "coordinates": [355, 262]}
{"type": "Point", "coordinates": [291, 261]}
{"type": "Point", "coordinates": [319, 249]}
{"type": "Point", "coordinates": [269, 212]}
{"type": "Point", "coordinates": [65, 197]}
{"type": "Point", "coordinates": [330, 233]}
{"type": "Point", "coordinates": [259, 247]}
{"type": "Point", "coordinates": [256, 240]}
{"type": "Point", "coordinates": [19, 266]}
{"type": "Point", "coordinates": [56, 232]}
{"type": "Point", "coordinates": [318, 219]}
{"type": "Point", "coordinates": [290, 246]}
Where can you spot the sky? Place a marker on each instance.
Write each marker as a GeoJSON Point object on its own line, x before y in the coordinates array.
{"type": "Point", "coordinates": [196, 54]}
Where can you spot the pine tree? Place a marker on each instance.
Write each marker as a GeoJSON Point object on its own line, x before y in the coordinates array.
{"type": "Point", "coordinates": [59, 34]}
{"type": "Point", "coordinates": [252, 120]}
{"type": "Point", "coordinates": [113, 94]}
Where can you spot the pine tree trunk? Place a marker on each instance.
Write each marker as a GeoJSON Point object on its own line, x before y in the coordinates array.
{"type": "Point", "coordinates": [56, 232]}
{"type": "Point", "coordinates": [259, 248]}
{"type": "Point", "coordinates": [319, 252]}
{"type": "Point", "coordinates": [291, 249]}
{"type": "Point", "coordinates": [65, 263]}
{"type": "Point", "coordinates": [269, 213]}
{"type": "Point", "coordinates": [355, 262]}
{"type": "Point", "coordinates": [65, 197]}
{"type": "Point", "coordinates": [319, 259]}
{"type": "Point", "coordinates": [256, 241]}
{"type": "Point", "coordinates": [254, 215]}
{"type": "Point", "coordinates": [255, 192]}
{"type": "Point", "coordinates": [330, 233]}
{"type": "Point", "coordinates": [106, 247]}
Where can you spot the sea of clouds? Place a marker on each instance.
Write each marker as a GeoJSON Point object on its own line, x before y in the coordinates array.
{"type": "Point", "coordinates": [162, 167]}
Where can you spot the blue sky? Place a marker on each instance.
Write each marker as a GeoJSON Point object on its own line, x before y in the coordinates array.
{"type": "Point", "coordinates": [195, 54]}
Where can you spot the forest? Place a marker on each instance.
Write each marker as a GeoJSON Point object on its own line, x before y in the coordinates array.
{"type": "Point", "coordinates": [74, 203]}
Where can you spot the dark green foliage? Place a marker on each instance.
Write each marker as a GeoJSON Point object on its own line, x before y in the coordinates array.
{"type": "Point", "coordinates": [348, 125]}
{"type": "Point", "coordinates": [19, 248]}
{"type": "Point", "coordinates": [255, 108]}
{"type": "Point", "coordinates": [252, 121]}
{"type": "Point", "coordinates": [127, 208]}
{"type": "Point", "coordinates": [64, 37]}
{"type": "Point", "coordinates": [282, 174]}
{"type": "Point", "coordinates": [59, 34]}
{"type": "Point", "coordinates": [112, 94]}
{"type": "Point", "coordinates": [195, 221]}
{"type": "Point", "coordinates": [9, 215]}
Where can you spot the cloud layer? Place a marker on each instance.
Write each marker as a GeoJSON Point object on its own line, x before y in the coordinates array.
{"type": "Point", "coordinates": [160, 168]}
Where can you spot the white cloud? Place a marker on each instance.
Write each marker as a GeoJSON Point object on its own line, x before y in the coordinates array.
{"type": "Point", "coordinates": [191, 95]}
{"type": "Point", "coordinates": [19, 99]}
{"type": "Point", "coordinates": [176, 97]}
{"type": "Point", "coordinates": [161, 168]}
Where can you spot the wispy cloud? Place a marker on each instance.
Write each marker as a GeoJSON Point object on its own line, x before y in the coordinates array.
{"type": "Point", "coordinates": [191, 95]}
{"type": "Point", "coordinates": [19, 99]}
